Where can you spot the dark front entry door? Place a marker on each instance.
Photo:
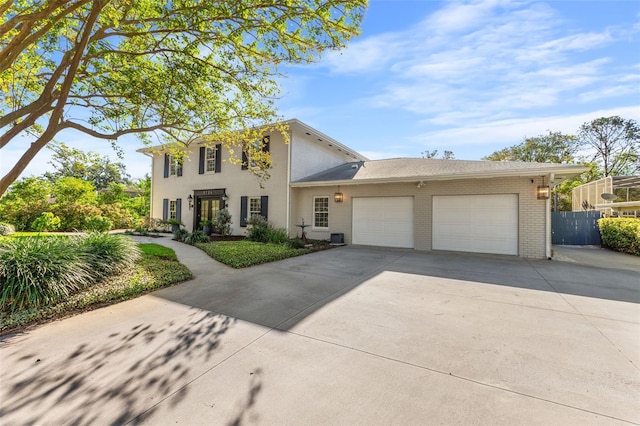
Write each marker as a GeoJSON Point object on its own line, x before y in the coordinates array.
{"type": "Point", "coordinates": [206, 209]}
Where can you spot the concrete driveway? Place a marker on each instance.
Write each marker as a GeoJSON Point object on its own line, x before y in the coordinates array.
{"type": "Point", "coordinates": [345, 336]}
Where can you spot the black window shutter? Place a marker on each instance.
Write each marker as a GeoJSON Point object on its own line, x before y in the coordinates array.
{"type": "Point", "coordinates": [166, 165]}
{"type": "Point", "coordinates": [266, 141]}
{"type": "Point", "coordinates": [218, 158]}
{"type": "Point", "coordinates": [245, 161]}
{"type": "Point", "coordinates": [264, 206]}
{"type": "Point", "coordinates": [180, 168]}
{"type": "Point", "coordinates": [165, 209]}
{"type": "Point", "coordinates": [243, 211]}
{"type": "Point", "coordinates": [179, 208]}
{"type": "Point", "coordinates": [203, 154]}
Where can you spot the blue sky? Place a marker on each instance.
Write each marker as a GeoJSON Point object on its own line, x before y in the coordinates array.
{"type": "Point", "coordinates": [470, 77]}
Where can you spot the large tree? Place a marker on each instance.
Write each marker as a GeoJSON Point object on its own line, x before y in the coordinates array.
{"type": "Point", "coordinates": [615, 144]}
{"type": "Point", "coordinates": [89, 166]}
{"type": "Point", "coordinates": [180, 69]}
{"type": "Point", "coordinates": [554, 147]}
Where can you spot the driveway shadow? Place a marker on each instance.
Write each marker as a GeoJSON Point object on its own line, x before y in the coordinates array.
{"type": "Point", "coordinates": [114, 379]}
{"type": "Point", "coordinates": [281, 294]}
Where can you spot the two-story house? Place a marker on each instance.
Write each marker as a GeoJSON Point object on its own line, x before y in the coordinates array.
{"type": "Point", "coordinates": [418, 203]}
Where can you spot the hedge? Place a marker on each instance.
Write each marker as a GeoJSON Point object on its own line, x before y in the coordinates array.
{"type": "Point", "coordinates": [621, 234]}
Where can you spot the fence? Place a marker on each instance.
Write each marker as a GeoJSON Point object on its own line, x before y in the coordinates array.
{"type": "Point", "coordinates": [575, 228]}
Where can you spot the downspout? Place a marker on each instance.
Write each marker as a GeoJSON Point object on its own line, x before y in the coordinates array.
{"type": "Point", "coordinates": [289, 181]}
{"type": "Point", "coordinates": [548, 219]}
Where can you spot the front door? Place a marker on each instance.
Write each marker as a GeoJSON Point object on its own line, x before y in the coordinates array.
{"type": "Point", "coordinates": [206, 209]}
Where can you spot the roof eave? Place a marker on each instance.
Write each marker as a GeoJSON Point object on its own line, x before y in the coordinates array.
{"type": "Point", "coordinates": [567, 172]}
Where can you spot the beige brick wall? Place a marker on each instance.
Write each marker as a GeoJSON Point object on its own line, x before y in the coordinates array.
{"type": "Point", "coordinates": [531, 211]}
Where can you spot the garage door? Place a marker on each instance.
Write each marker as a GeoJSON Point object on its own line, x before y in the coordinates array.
{"type": "Point", "coordinates": [383, 221]}
{"type": "Point", "coordinates": [476, 223]}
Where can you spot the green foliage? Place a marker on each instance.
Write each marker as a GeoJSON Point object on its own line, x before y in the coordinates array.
{"type": "Point", "coordinates": [39, 270]}
{"type": "Point", "coordinates": [240, 254]}
{"type": "Point", "coordinates": [73, 217]}
{"type": "Point", "coordinates": [27, 199]}
{"type": "Point", "coordinates": [296, 243]}
{"type": "Point", "coordinates": [157, 250]}
{"type": "Point", "coordinates": [97, 224]}
{"type": "Point", "coordinates": [196, 237]}
{"type": "Point", "coordinates": [180, 234]}
{"type": "Point", "coordinates": [157, 268]}
{"type": "Point", "coordinates": [42, 270]}
{"type": "Point", "coordinates": [120, 216]}
{"type": "Point", "coordinates": [6, 229]}
{"type": "Point", "coordinates": [46, 222]}
{"type": "Point", "coordinates": [184, 68]}
{"type": "Point", "coordinates": [87, 166]}
{"type": "Point", "coordinates": [222, 222]}
{"type": "Point", "coordinates": [70, 190]}
{"type": "Point", "coordinates": [616, 144]}
{"type": "Point", "coordinates": [554, 147]}
{"type": "Point", "coordinates": [262, 231]}
{"type": "Point", "coordinates": [621, 234]}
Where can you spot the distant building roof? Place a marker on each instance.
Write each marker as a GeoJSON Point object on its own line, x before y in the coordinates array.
{"type": "Point", "coordinates": [417, 169]}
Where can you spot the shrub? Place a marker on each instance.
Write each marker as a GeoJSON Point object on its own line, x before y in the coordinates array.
{"type": "Point", "coordinates": [276, 235]}
{"type": "Point", "coordinates": [46, 222]}
{"type": "Point", "coordinates": [120, 216]}
{"type": "Point", "coordinates": [36, 271]}
{"type": "Point", "coordinates": [180, 234]}
{"type": "Point", "coordinates": [6, 229]}
{"type": "Point", "coordinates": [222, 222]}
{"type": "Point", "coordinates": [108, 254]}
{"type": "Point", "coordinates": [97, 224]}
{"type": "Point", "coordinates": [296, 243]}
{"type": "Point", "coordinates": [196, 237]}
{"type": "Point", "coordinates": [73, 216]}
{"type": "Point", "coordinates": [41, 270]}
{"type": "Point", "coordinates": [621, 234]}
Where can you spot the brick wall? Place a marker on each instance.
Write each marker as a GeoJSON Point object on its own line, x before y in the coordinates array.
{"type": "Point", "coordinates": [531, 211]}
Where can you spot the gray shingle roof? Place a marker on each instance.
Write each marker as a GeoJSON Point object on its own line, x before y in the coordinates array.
{"type": "Point", "coordinates": [407, 169]}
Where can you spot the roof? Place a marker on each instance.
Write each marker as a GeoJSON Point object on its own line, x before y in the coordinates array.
{"type": "Point", "coordinates": [316, 136]}
{"type": "Point", "coordinates": [418, 169]}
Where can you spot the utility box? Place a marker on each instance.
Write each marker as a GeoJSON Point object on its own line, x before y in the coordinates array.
{"type": "Point", "coordinates": [337, 238]}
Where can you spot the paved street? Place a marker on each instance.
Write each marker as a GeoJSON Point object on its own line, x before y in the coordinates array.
{"type": "Point", "coordinates": [346, 336]}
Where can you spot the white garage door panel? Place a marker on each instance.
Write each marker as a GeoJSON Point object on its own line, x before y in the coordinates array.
{"type": "Point", "coordinates": [476, 223]}
{"type": "Point", "coordinates": [383, 221]}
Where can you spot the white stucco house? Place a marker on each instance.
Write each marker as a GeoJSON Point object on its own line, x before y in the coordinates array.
{"type": "Point", "coordinates": [413, 203]}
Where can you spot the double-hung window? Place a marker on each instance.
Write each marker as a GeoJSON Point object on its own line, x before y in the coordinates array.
{"type": "Point", "coordinates": [255, 207]}
{"type": "Point", "coordinates": [174, 165]}
{"type": "Point", "coordinates": [173, 209]}
{"type": "Point", "coordinates": [321, 212]}
{"type": "Point", "coordinates": [210, 159]}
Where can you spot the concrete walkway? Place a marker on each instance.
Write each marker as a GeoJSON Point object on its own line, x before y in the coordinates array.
{"type": "Point", "coordinates": [596, 256]}
{"type": "Point", "coordinates": [346, 336]}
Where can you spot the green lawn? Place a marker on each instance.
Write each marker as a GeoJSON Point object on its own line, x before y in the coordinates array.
{"type": "Point", "coordinates": [158, 267]}
{"type": "Point", "coordinates": [240, 254]}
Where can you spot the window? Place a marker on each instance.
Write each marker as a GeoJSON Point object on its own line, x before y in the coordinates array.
{"type": "Point", "coordinates": [321, 212]}
{"type": "Point", "coordinates": [257, 155]}
{"type": "Point", "coordinates": [173, 208]}
{"type": "Point", "coordinates": [210, 160]}
{"type": "Point", "coordinates": [255, 207]}
{"type": "Point", "coordinates": [174, 166]}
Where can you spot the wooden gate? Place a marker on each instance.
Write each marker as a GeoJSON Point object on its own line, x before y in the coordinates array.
{"type": "Point", "coordinates": [575, 228]}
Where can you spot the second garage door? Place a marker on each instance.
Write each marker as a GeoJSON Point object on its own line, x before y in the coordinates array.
{"type": "Point", "coordinates": [383, 221]}
{"type": "Point", "coordinates": [476, 223]}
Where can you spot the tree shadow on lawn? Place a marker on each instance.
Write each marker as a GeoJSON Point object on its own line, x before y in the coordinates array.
{"type": "Point", "coordinates": [114, 380]}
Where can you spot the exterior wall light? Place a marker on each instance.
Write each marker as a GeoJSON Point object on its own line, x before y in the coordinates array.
{"type": "Point", "coordinates": [544, 191]}
{"type": "Point", "coordinates": [338, 197]}
{"type": "Point", "coordinates": [190, 199]}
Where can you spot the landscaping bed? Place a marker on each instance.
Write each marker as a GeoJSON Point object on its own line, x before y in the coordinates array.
{"type": "Point", "coordinates": [156, 267]}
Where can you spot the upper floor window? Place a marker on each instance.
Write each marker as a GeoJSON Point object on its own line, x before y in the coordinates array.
{"type": "Point", "coordinates": [256, 154]}
{"type": "Point", "coordinates": [210, 159]}
{"type": "Point", "coordinates": [172, 166]}
{"type": "Point", "coordinates": [321, 212]}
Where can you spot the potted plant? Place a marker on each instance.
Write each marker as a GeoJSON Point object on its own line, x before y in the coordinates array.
{"type": "Point", "coordinates": [175, 224]}
{"type": "Point", "coordinates": [206, 226]}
